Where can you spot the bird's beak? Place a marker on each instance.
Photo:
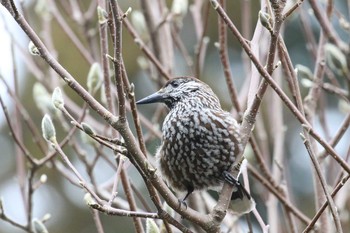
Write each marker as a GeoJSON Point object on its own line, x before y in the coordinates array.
{"type": "Point", "coordinates": [153, 98]}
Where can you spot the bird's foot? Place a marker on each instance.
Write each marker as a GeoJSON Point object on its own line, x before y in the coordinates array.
{"type": "Point", "coordinates": [230, 179]}
{"type": "Point", "coordinates": [182, 202]}
{"type": "Point", "coordinates": [189, 191]}
{"type": "Point", "coordinates": [239, 191]}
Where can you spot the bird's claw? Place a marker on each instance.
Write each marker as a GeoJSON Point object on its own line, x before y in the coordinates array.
{"type": "Point", "coordinates": [182, 202]}
{"type": "Point", "coordinates": [239, 191]}
{"type": "Point", "coordinates": [230, 179]}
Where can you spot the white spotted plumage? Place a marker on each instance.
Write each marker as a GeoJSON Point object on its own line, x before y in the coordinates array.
{"type": "Point", "coordinates": [200, 140]}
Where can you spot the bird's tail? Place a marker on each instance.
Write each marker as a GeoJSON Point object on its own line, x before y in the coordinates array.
{"type": "Point", "coordinates": [241, 201]}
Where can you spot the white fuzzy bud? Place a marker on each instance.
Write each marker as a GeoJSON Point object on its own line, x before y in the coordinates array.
{"type": "Point", "coordinates": [102, 15]}
{"type": "Point", "coordinates": [57, 98]}
{"type": "Point", "coordinates": [88, 199]}
{"type": "Point", "coordinates": [88, 129]}
{"type": "Point", "coordinates": [43, 178]}
{"type": "Point", "coordinates": [335, 59]}
{"type": "Point", "coordinates": [46, 217]}
{"type": "Point", "coordinates": [39, 227]}
{"type": "Point", "coordinates": [33, 49]}
{"type": "Point", "coordinates": [168, 209]}
{"type": "Point", "coordinates": [304, 72]}
{"type": "Point", "coordinates": [151, 226]}
{"type": "Point", "coordinates": [42, 98]}
{"type": "Point", "coordinates": [179, 8]}
{"type": "Point", "coordinates": [48, 129]}
{"type": "Point", "coordinates": [139, 22]}
{"type": "Point", "coordinates": [94, 78]}
{"type": "Point", "coordinates": [265, 20]}
{"type": "Point", "coordinates": [42, 8]}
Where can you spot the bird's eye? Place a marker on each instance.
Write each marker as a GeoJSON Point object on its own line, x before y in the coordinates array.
{"type": "Point", "coordinates": [175, 84]}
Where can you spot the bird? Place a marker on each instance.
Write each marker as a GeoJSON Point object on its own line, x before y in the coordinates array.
{"type": "Point", "coordinates": [200, 141]}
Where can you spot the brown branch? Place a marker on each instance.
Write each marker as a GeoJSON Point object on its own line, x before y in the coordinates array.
{"type": "Point", "coordinates": [66, 28]}
{"type": "Point", "coordinates": [9, 220]}
{"type": "Point", "coordinates": [251, 112]}
{"type": "Point", "coordinates": [152, 191]}
{"type": "Point", "coordinates": [97, 220]}
{"type": "Point", "coordinates": [105, 64]}
{"type": "Point", "coordinates": [323, 184]}
{"type": "Point", "coordinates": [201, 28]}
{"type": "Point", "coordinates": [297, 213]}
{"type": "Point", "coordinates": [338, 135]}
{"type": "Point", "coordinates": [310, 105]}
{"type": "Point", "coordinates": [292, 9]}
{"type": "Point", "coordinates": [250, 115]}
{"type": "Point", "coordinates": [225, 61]}
{"type": "Point", "coordinates": [117, 60]}
{"type": "Point", "coordinates": [37, 139]}
{"type": "Point", "coordinates": [160, 33]}
{"type": "Point", "coordinates": [327, 27]}
{"type": "Point", "coordinates": [114, 121]}
{"type": "Point", "coordinates": [136, 146]}
{"type": "Point", "coordinates": [15, 137]}
{"type": "Point", "coordinates": [113, 211]}
{"type": "Point", "coordinates": [145, 49]}
{"type": "Point", "coordinates": [175, 33]}
{"type": "Point", "coordinates": [310, 226]}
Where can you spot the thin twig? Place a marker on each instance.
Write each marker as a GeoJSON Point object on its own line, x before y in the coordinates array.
{"type": "Point", "coordinates": [97, 220]}
{"type": "Point", "coordinates": [297, 213]}
{"type": "Point", "coordinates": [225, 61]}
{"type": "Point", "coordinates": [324, 185]}
{"type": "Point", "coordinates": [327, 27]}
{"type": "Point", "coordinates": [113, 211]}
{"type": "Point", "coordinates": [66, 28]}
{"type": "Point", "coordinates": [17, 140]}
{"type": "Point", "coordinates": [249, 114]}
{"type": "Point", "coordinates": [311, 225]}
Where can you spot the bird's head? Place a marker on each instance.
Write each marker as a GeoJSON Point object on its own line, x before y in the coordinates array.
{"type": "Point", "coordinates": [182, 89]}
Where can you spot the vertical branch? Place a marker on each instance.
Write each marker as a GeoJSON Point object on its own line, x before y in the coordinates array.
{"type": "Point", "coordinates": [324, 185]}
{"type": "Point", "coordinates": [225, 61]}
{"type": "Point", "coordinates": [246, 33]}
{"type": "Point", "coordinates": [310, 226]}
{"type": "Point", "coordinates": [17, 127]}
{"type": "Point", "coordinates": [97, 220]}
{"type": "Point", "coordinates": [294, 86]}
{"type": "Point", "coordinates": [310, 104]}
{"type": "Point", "coordinates": [201, 26]}
{"type": "Point", "coordinates": [278, 171]}
{"type": "Point", "coordinates": [310, 109]}
{"type": "Point", "coordinates": [153, 192]}
{"type": "Point", "coordinates": [30, 197]}
{"type": "Point", "coordinates": [246, 18]}
{"type": "Point", "coordinates": [160, 33]}
{"type": "Point", "coordinates": [104, 51]}
{"type": "Point", "coordinates": [259, 63]}
{"type": "Point", "coordinates": [326, 26]}
{"type": "Point", "coordinates": [250, 115]}
{"type": "Point", "coordinates": [33, 163]}
{"type": "Point", "coordinates": [117, 62]}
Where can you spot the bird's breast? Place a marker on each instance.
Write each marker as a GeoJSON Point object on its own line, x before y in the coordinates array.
{"type": "Point", "coordinates": [197, 146]}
